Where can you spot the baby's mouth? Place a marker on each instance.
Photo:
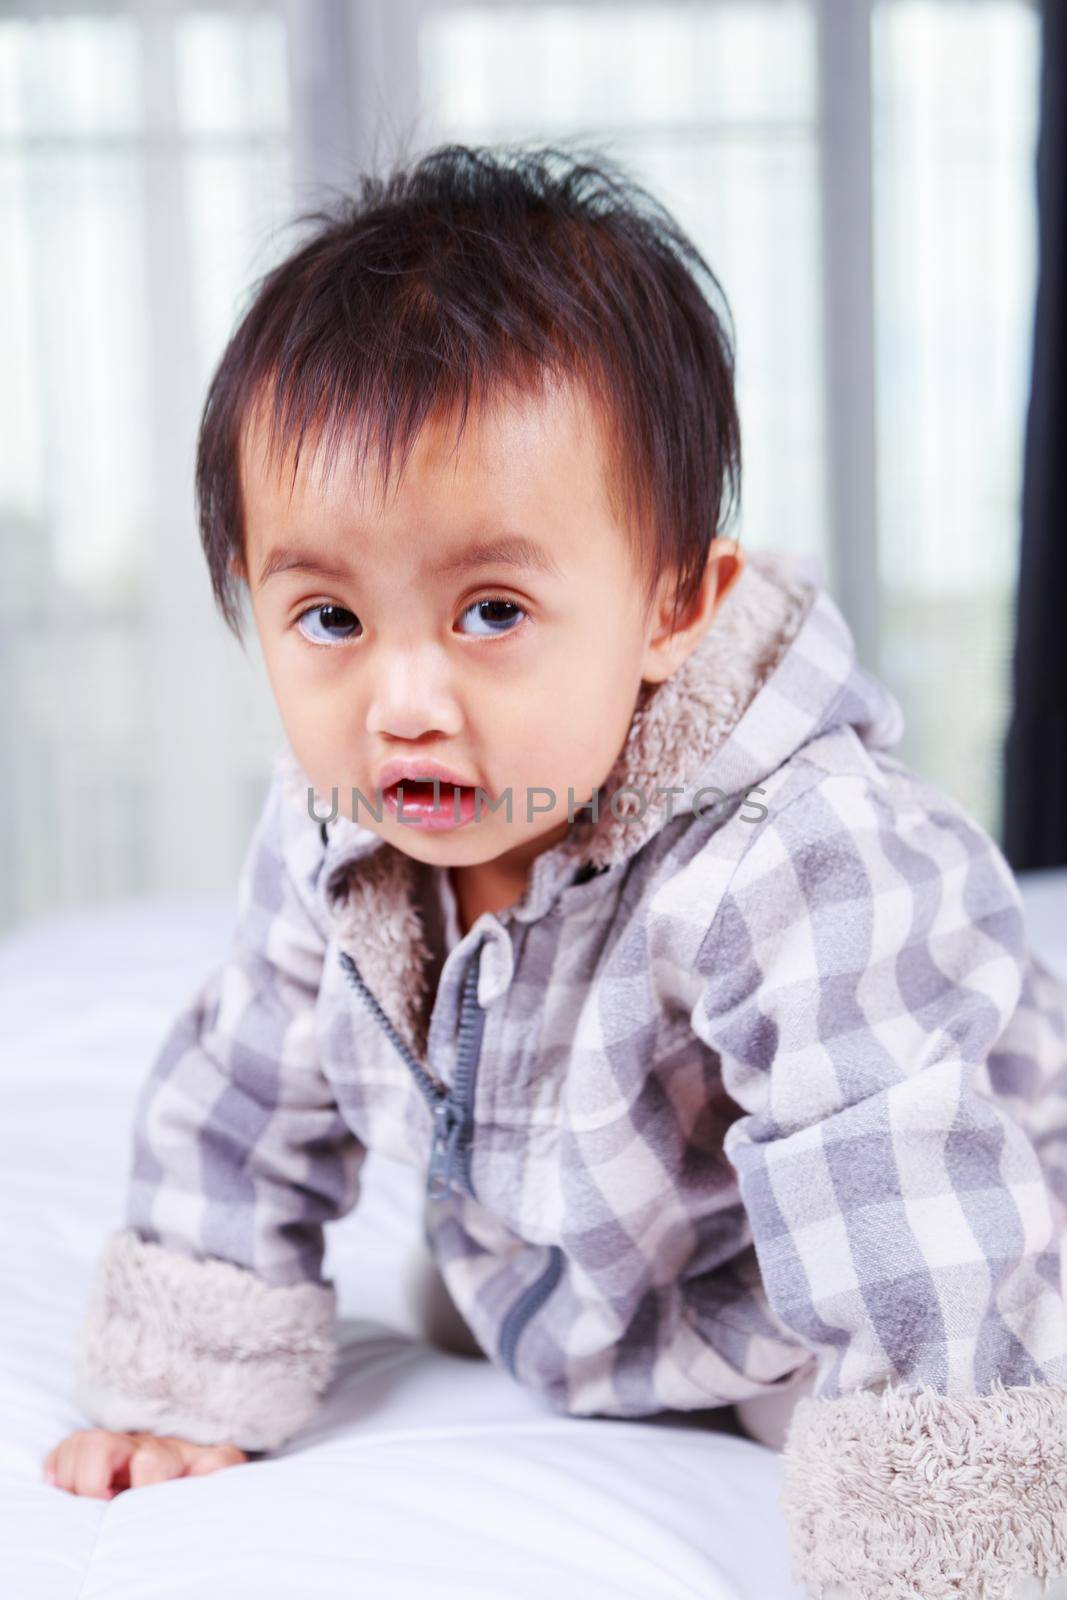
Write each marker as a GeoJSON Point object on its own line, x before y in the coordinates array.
{"type": "Point", "coordinates": [430, 804]}
{"type": "Point", "coordinates": [421, 791]}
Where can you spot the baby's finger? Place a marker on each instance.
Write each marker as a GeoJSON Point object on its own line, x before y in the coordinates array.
{"type": "Point", "coordinates": [154, 1461]}
{"type": "Point", "coordinates": [61, 1462]}
{"type": "Point", "coordinates": [51, 1466]}
{"type": "Point", "coordinates": [96, 1456]}
{"type": "Point", "coordinates": [214, 1456]}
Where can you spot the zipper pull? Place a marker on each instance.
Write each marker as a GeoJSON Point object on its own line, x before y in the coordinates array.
{"type": "Point", "coordinates": [447, 1125]}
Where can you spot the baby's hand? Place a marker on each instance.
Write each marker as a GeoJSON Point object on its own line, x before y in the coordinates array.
{"type": "Point", "coordinates": [94, 1462]}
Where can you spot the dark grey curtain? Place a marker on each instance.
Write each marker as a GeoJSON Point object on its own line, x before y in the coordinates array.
{"type": "Point", "coordinates": [1035, 752]}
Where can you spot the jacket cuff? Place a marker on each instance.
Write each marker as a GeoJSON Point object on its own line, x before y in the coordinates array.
{"type": "Point", "coordinates": [202, 1348]}
{"type": "Point", "coordinates": [912, 1495]}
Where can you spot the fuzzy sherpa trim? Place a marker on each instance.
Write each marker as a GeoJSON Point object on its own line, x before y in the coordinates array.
{"type": "Point", "coordinates": [679, 723]}
{"type": "Point", "coordinates": [202, 1348]}
{"type": "Point", "coordinates": [915, 1495]}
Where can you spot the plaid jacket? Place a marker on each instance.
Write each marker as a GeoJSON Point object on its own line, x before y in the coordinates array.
{"type": "Point", "coordinates": [758, 1075]}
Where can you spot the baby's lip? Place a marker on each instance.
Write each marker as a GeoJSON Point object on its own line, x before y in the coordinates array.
{"type": "Point", "coordinates": [412, 771]}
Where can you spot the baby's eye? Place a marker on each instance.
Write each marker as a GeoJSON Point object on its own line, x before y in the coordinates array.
{"type": "Point", "coordinates": [337, 621]}
{"type": "Point", "coordinates": [491, 614]}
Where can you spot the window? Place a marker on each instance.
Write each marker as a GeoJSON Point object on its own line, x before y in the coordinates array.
{"type": "Point", "coordinates": [144, 166]}
{"type": "Point", "coordinates": [955, 135]}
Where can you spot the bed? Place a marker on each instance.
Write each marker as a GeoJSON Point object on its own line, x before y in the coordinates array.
{"type": "Point", "coordinates": [427, 1471]}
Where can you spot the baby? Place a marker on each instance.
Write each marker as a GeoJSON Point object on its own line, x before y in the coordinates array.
{"type": "Point", "coordinates": [586, 882]}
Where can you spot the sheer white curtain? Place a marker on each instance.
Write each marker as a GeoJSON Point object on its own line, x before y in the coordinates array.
{"type": "Point", "coordinates": [955, 134]}
{"type": "Point", "coordinates": [859, 174]}
{"type": "Point", "coordinates": [144, 170]}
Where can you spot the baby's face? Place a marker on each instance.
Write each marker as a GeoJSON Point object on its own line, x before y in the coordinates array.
{"type": "Point", "coordinates": [388, 634]}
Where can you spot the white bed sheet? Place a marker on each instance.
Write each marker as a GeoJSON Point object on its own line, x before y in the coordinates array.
{"type": "Point", "coordinates": [425, 1472]}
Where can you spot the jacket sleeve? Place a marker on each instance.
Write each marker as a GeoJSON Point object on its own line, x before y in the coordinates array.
{"type": "Point", "coordinates": [859, 970]}
{"type": "Point", "coordinates": [208, 1316]}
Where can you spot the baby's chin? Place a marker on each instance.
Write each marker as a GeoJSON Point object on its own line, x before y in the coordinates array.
{"type": "Point", "coordinates": [491, 843]}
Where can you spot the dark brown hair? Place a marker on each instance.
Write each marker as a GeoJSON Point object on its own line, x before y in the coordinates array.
{"type": "Point", "coordinates": [470, 269]}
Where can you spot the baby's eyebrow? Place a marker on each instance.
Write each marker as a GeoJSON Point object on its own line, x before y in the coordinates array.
{"type": "Point", "coordinates": [513, 550]}
{"type": "Point", "coordinates": [286, 558]}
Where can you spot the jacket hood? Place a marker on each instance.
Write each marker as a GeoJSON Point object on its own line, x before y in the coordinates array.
{"type": "Point", "coordinates": [775, 669]}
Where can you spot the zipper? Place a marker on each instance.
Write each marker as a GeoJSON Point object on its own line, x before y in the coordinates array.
{"type": "Point", "coordinates": [451, 1109]}
{"type": "Point", "coordinates": [468, 1054]}
{"type": "Point", "coordinates": [529, 1302]}
{"type": "Point", "coordinates": [450, 1153]}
